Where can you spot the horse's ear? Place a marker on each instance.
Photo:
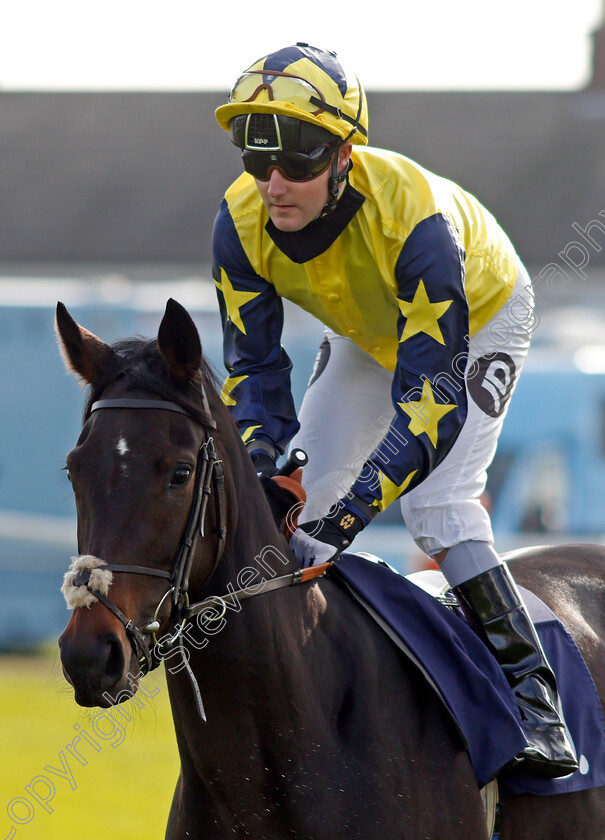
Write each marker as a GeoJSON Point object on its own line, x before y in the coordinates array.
{"type": "Point", "coordinates": [83, 353]}
{"type": "Point", "coordinates": [179, 342]}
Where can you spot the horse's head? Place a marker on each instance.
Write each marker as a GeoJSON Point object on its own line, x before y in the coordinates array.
{"type": "Point", "coordinates": [142, 471]}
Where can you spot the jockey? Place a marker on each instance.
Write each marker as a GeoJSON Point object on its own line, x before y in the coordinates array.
{"type": "Point", "coordinates": [428, 316]}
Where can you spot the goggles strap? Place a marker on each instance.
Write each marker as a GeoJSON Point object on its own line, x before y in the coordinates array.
{"type": "Point", "coordinates": [354, 121]}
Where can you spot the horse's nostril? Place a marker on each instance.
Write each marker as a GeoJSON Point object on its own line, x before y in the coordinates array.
{"type": "Point", "coordinates": [93, 666]}
{"type": "Point", "coordinates": [113, 654]}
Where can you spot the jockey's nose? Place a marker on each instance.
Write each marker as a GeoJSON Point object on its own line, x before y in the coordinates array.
{"type": "Point", "coordinates": [278, 183]}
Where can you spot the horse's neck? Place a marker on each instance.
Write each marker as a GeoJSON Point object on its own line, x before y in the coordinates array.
{"type": "Point", "coordinates": [255, 647]}
{"type": "Point", "coordinates": [256, 549]}
{"type": "Point", "coordinates": [249, 673]}
{"type": "Point", "coordinates": [259, 635]}
{"type": "Point", "coordinates": [254, 675]}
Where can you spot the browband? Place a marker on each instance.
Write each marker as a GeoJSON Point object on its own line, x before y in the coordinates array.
{"type": "Point", "coordinates": [125, 403]}
{"type": "Point", "coordinates": [156, 404]}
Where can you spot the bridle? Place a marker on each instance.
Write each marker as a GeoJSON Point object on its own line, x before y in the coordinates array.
{"type": "Point", "coordinates": [209, 481]}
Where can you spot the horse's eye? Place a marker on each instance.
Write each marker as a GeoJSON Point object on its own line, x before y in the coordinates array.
{"type": "Point", "coordinates": [67, 473]}
{"type": "Point", "coordinates": [181, 476]}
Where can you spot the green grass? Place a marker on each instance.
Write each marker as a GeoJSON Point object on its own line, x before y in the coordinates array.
{"type": "Point", "coordinates": [122, 789]}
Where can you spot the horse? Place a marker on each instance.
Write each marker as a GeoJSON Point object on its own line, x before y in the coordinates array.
{"type": "Point", "coordinates": [295, 715]}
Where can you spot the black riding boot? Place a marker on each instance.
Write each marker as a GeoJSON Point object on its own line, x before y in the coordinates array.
{"type": "Point", "coordinates": [493, 604]}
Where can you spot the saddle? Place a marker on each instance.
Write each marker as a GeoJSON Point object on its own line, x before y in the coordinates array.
{"type": "Point", "coordinates": [421, 616]}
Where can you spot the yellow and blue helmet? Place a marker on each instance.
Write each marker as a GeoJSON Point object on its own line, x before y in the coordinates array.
{"type": "Point", "coordinates": [301, 82]}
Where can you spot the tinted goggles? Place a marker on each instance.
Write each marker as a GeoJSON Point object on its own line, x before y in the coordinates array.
{"type": "Point", "coordinates": [296, 166]}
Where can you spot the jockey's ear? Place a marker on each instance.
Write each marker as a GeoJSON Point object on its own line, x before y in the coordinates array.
{"type": "Point", "coordinates": [179, 342]}
{"type": "Point", "coordinates": [344, 156]}
{"type": "Point", "coordinates": [82, 351]}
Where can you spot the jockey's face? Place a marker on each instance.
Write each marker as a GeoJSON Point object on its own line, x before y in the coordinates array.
{"type": "Point", "coordinates": [293, 204]}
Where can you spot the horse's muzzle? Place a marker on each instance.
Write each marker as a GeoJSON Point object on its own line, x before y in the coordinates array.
{"type": "Point", "coordinates": [96, 666]}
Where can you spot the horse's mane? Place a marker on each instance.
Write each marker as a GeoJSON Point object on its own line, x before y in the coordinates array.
{"type": "Point", "coordinates": [141, 364]}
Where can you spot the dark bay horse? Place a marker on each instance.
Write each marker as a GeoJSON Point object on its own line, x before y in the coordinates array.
{"type": "Point", "coordinates": [316, 729]}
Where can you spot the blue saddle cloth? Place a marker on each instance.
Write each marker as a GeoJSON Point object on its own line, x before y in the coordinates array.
{"type": "Point", "coordinates": [472, 684]}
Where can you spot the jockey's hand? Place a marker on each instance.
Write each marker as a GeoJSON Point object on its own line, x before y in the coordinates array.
{"type": "Point", "coordinates": [281, 500]}
{"type": "Point", "coordinates": [284, 493]}
{"type": "Point", "coordinates": [264, 464]}
{"type": "Point", "coordinates": [322, 540]}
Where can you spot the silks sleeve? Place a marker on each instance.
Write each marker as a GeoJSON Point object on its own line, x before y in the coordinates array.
{"type": "Point", "coordinates": [428, 391]}
{"type": "Point", "coordinates": [257, 389]}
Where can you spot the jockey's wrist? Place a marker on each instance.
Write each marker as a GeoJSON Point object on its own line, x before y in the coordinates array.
{"type": "Point", "coordinates": [353, 504]}
{"type": "Point", "coordinates": [322, 540]}
{"type": "Point", "coordinates": [339, 530]}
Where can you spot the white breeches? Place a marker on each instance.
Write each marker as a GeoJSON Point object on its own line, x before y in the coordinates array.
{"type": "Point", "coordinates": [347, 409]}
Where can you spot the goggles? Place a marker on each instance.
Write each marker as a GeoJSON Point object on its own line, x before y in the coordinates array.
{"type": "Point", "coordinates": [281, 87]}
{"type": "Point", "coordinates": [287, 87]}
{"type": "Point", "coordinates": [296, 166]}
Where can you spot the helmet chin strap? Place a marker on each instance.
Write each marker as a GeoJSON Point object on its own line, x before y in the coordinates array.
{"type": "Point", "coordinates": [336, 179]}
{"type": "Point", "coordinates": [335, 183]}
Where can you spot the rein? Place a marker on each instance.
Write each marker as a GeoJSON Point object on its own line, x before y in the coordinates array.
{"type": "Point", "coordinates": [210, 481]}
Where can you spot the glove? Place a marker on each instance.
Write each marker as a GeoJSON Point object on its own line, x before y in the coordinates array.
{"type": "Point", "coordinates": [278, 490]}
{"type": "Point", "coordinates": [264, 464]}
{"type": "Point", "coordinates": [285, 494]}
{"type": "Point", "coordinates": [322, 540]}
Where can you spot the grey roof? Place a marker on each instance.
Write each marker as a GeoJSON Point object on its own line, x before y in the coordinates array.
{"type": "Point", "coordinates": [137, 177]}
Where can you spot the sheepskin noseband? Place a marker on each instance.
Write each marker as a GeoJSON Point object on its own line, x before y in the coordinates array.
{"type": "Point", "coordinates": [100, 579]}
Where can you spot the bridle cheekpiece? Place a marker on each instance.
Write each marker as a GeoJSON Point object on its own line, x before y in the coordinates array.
{"type": "Point", "coordinates": [209, 481]}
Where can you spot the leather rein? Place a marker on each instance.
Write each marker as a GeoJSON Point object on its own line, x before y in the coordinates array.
{"type": "Point", "coordinates": [209, 481]}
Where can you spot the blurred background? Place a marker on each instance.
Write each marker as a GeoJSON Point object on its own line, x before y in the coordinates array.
{"type": "Point", "coordinates": [111, 171]}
